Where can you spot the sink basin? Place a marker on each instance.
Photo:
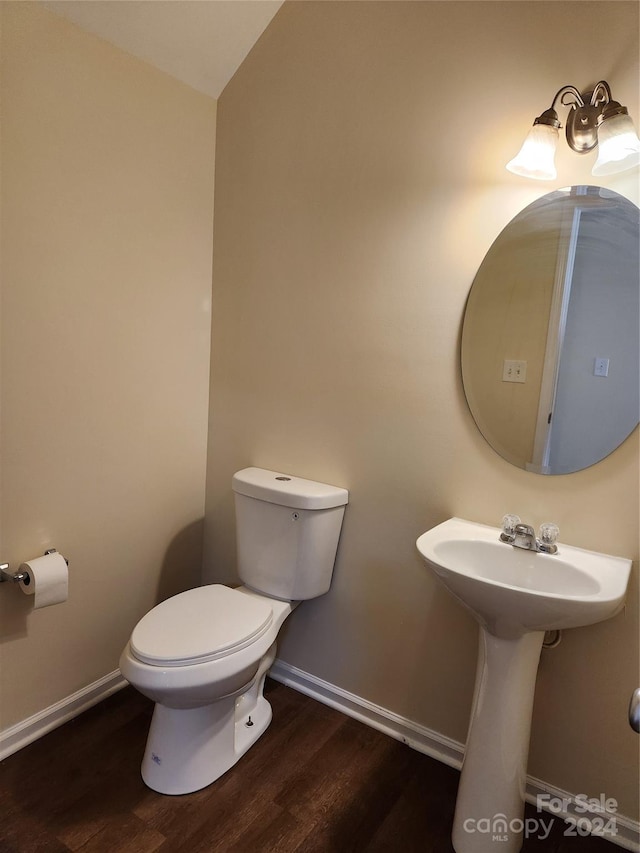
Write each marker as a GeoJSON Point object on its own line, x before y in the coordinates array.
{"type": "Point", "coordinates": [512, 591]}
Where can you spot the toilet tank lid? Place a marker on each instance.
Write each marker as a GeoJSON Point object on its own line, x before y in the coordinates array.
{"type": "Point", "coordinates": [286, 490]}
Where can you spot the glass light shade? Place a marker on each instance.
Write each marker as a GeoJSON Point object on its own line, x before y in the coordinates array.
{"type": "Point", "coordinates": [535, 158]}
{"type": "Point", "coordinates": [618, 146]}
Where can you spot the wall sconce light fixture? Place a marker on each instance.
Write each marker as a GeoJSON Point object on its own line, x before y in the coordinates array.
{"type": "Point", "coordinates": [594, 118]}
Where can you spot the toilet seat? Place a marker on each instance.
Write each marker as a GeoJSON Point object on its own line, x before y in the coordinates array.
{"type": "Point", "coordinates": [200, 625]}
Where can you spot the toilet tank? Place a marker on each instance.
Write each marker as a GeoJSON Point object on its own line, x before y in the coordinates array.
{"type": "Point", "coordinates": [287, 532]}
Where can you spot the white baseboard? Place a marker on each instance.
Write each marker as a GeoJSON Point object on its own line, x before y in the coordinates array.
{"type": "Point", "coordinates": [18, 736]}
{"type": "Point", "coordinates": [441, 748]}
{"type": "Point", "coordinates": [424, 740]}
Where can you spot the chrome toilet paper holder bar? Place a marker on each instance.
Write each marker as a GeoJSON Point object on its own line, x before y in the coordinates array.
{"type": "Point", "coordinates": [16, 577]}
{"type": "Point", "coordinates": [6, 575]}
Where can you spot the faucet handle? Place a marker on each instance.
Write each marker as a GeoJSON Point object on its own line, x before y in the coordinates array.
{"type": "Point", "coordinates": [509, 523]}
{"type": "Point", "coordinates": [548, 535]}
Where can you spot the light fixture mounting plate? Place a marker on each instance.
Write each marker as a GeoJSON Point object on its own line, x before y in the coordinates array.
{"type": "Point", "coordinates": [582, 126]}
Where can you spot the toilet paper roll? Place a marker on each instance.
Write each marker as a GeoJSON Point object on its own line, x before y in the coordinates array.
{"type": "Point", "coordinates": [47, 579]}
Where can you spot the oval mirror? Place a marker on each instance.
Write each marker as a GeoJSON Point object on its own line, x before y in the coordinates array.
{"type": "Point", "coordinates": [550, 340]}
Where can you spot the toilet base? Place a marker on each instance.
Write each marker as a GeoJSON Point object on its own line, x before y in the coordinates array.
{"type": "Point", "coordinates": [188, 749]}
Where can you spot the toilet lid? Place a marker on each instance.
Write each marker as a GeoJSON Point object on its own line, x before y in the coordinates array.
{"type": "Point", "coordinates": [200, 625]}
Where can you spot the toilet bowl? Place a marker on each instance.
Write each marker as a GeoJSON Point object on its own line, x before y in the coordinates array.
{"type": "Point", "coordinates": [202, 656]}
{"type": "Point", "coordinates": [207, 690]}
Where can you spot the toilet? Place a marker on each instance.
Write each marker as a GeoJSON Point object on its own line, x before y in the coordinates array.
{"type": "Point", "coordinates": [203, 655]}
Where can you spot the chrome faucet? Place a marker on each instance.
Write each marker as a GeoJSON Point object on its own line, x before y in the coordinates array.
{"type": "Point", "coordinates": [520, 535]}
{"type": "Point", "coordinates": [524, 536]}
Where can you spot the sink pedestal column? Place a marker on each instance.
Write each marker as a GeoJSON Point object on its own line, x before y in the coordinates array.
{"type": "Point", "coordinates": [490, 804]}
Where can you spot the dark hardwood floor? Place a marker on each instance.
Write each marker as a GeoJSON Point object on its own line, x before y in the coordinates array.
{"type": "Point", "coordinates": [316, 781]}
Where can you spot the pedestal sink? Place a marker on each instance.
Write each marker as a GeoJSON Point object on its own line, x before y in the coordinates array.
{"type": "Point", "coordinates": [515, 595]}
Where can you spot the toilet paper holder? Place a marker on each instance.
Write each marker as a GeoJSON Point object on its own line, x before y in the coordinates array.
{"type": "Point", "coordinates": [6, 575]}
{"type": "Point", "coordinates": [16, 577]}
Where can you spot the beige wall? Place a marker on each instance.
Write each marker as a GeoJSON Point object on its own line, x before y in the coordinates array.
{"type": "Point", "coordinates": [107, 189]}
{"type": "Point", "coordinates": [359, 182]}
